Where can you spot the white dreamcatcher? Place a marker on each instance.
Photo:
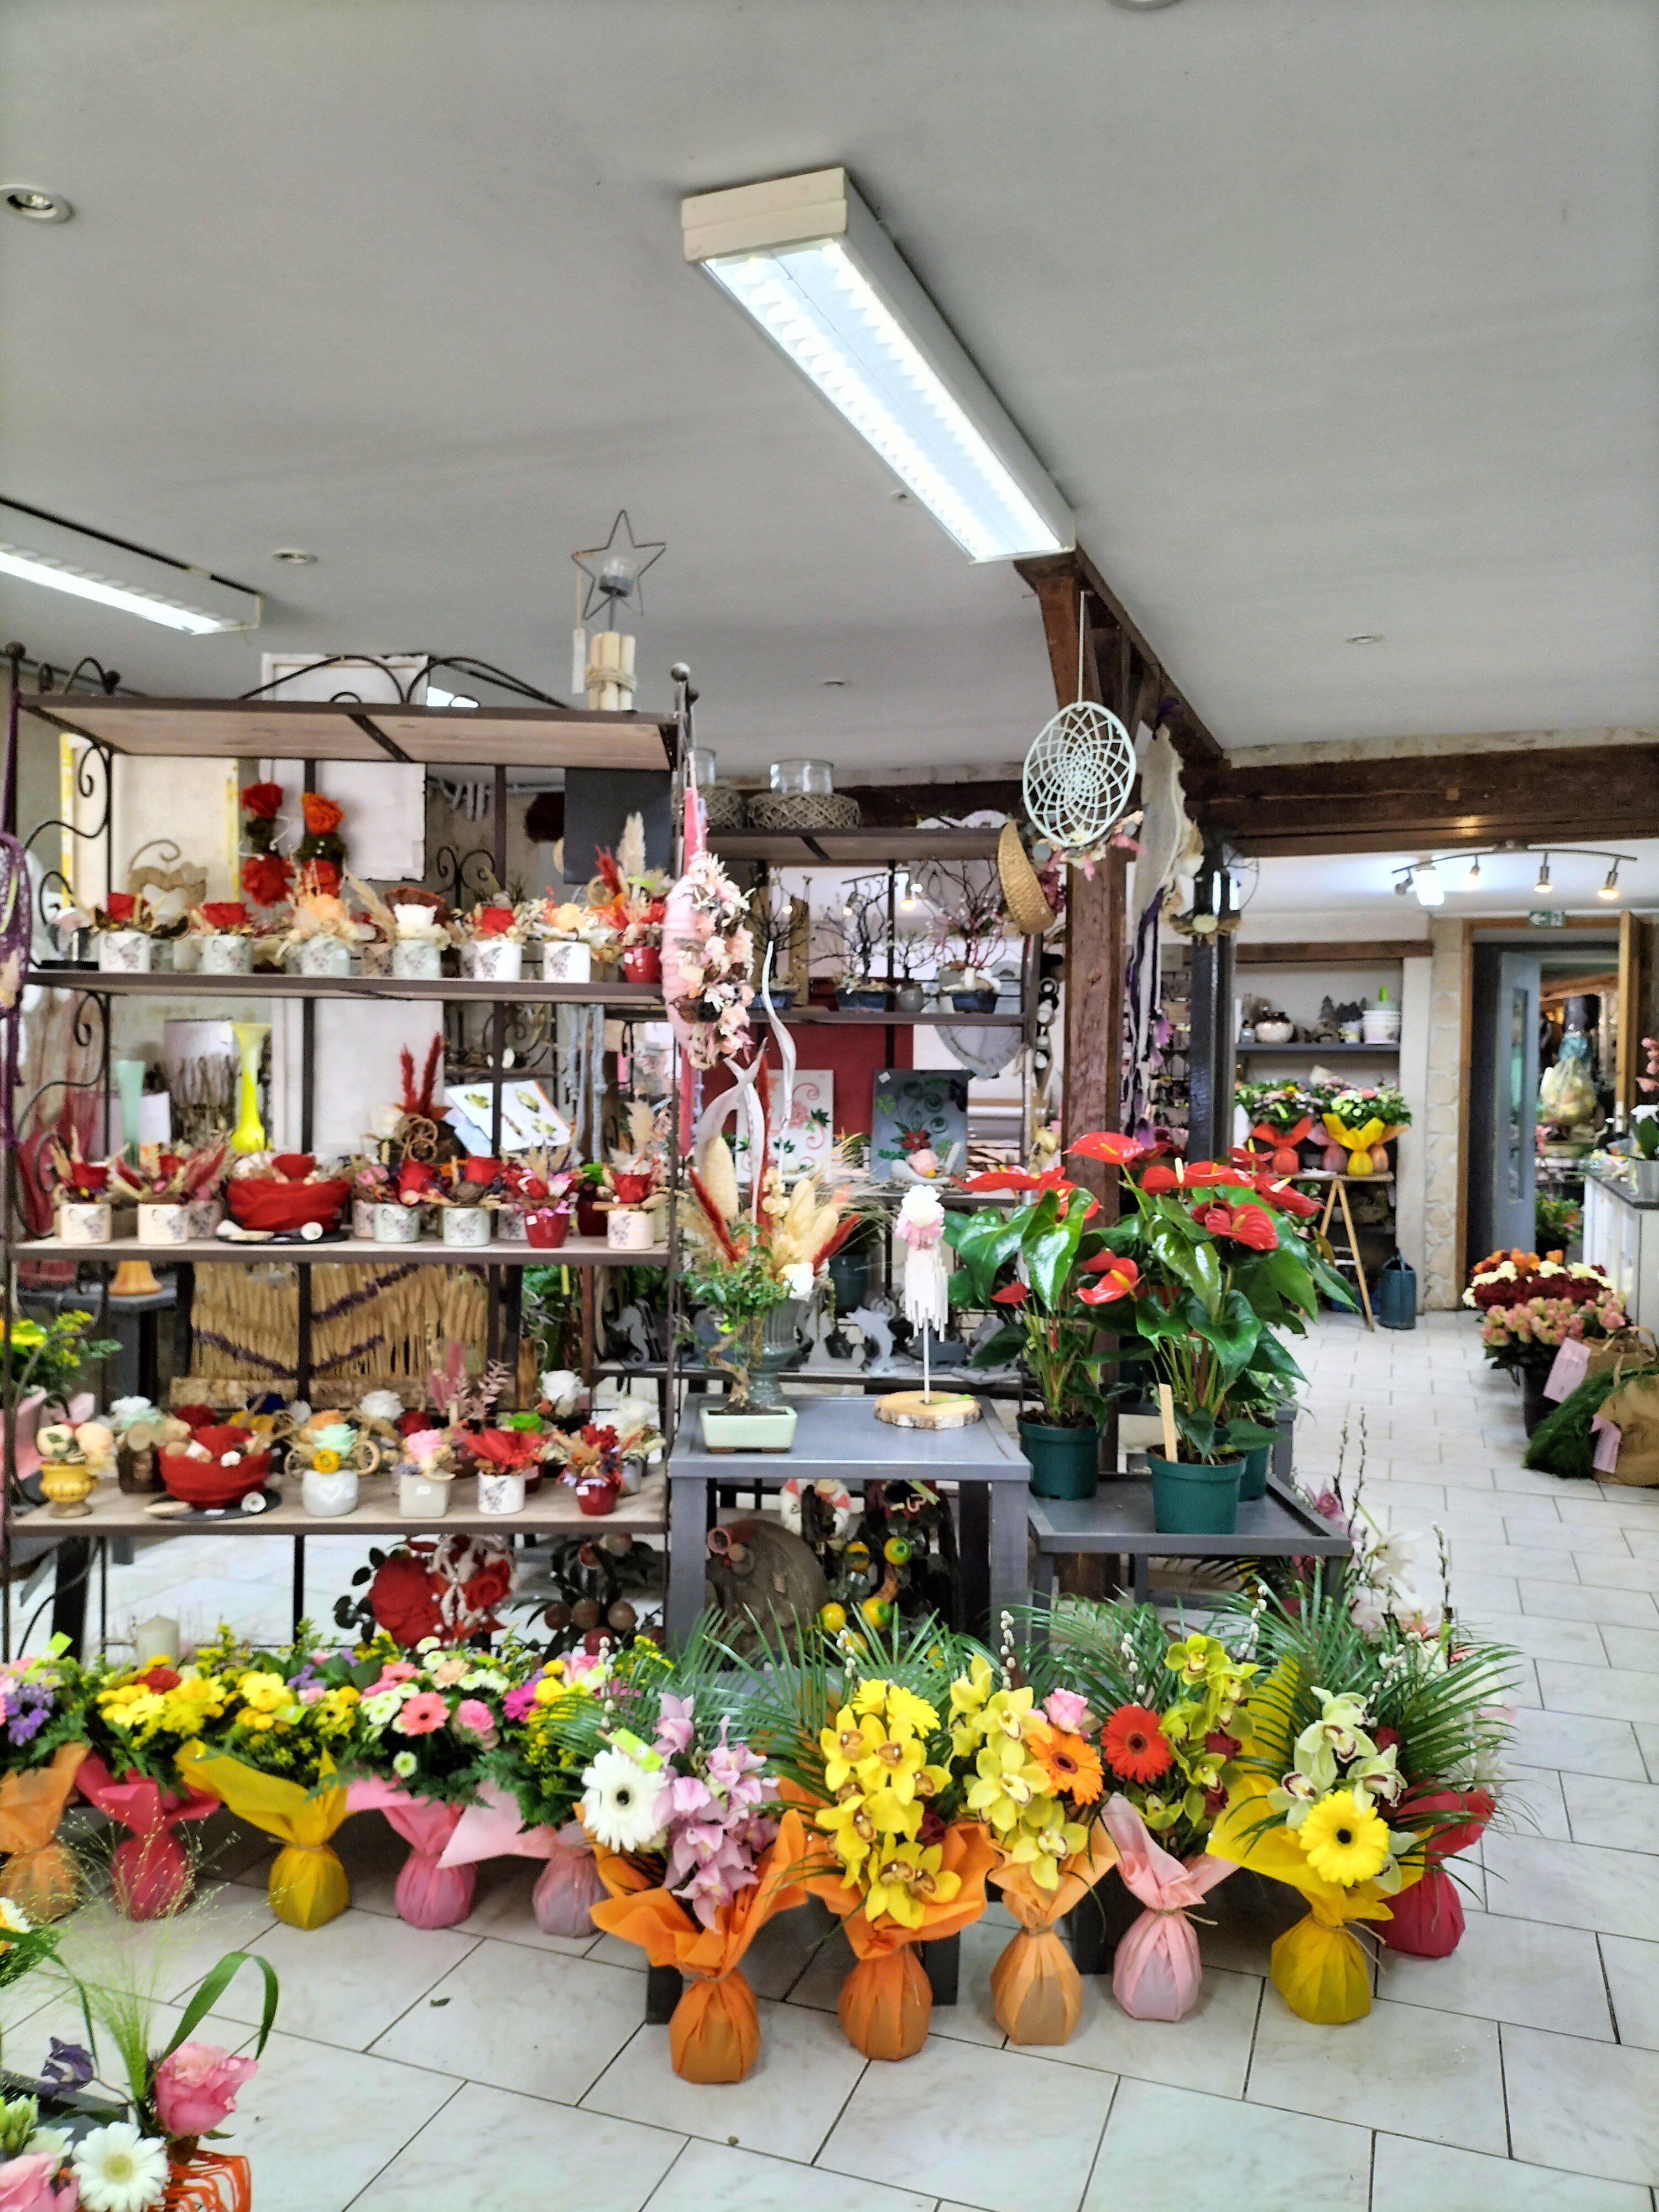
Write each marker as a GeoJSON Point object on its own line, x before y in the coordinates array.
{"type": "Point", "coordinates": [1079, 773]}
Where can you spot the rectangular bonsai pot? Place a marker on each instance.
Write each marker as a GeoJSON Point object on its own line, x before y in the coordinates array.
{"type": "Point", "coordinates": [724, 1432]}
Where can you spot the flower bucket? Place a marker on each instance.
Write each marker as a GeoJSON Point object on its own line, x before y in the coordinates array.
{"type": "Point", "coordinates": [422, 1497]}
{"type": "Point", "coordinates": [546, 1227]}
{"type": "Point", "coordinates": [500, 1494]}
{"type": "Point", "coordinates": [395, 1224]}
{"type": "Point", "coordinates": [40, 1874]}
{"type": "Point", "coordinates": [642, 963]}
{"type": "Point", "coordinates": [1428, 1920]}
{"type": "Point", "coordinates": [568, 1887]}
{"type": "Point", "coordinates": [308, 1886]}
{"type": "Point", "coordinates": [628, 1229]}
{"type": "Point", "coordinates": [163, 1225]}
{"type": "Point", "coordinates": [150, 1872]}
{"type": "Point", "coordinates": [1065, 1462]}
{"type": "Point", "coordinates": [85, 1221]}
{"type": "Point", "coordinates": [1191, 1500]}
{"type": "Point", "coordinates": [327, 1494]}
{"type": "Point", "coordinates": [724, 1432]}
{"type": "Point", "coordinates": [1253, 1473]}
{"type": "Point", "coordinates": [973, 1002]}
{"type": "Point", "coordinates": [428, 1894]}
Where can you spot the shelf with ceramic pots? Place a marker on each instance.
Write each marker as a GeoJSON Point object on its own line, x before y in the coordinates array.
{"type": "Point", "coordinates": [1318, 1051]}
{"type": "Point", "coordinates": [575, 1252]}
{"type": "Point", "coordinates": [641, 1001]}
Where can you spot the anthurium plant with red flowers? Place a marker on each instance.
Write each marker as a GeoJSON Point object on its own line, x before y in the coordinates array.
{"type": "Point", "coordinates": [1037, 1261]}
{"type": "Point", "coordinates": [1206, 1274]}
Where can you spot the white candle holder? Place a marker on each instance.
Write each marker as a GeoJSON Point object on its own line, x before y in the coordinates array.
{"type": "Point", "coordinates": [396, 1225]}
{"type": "Point", "coordinates": [85, 1221]}
{"type": "Point", "coordinates": [565, 961]}
{"type": "Point", "coordinates": [320, 955]}
{"type": "Point", "coordinates": [628, 1229]}
{"type": "Point", "coordinates": [493, 959]}
{"type": "Point", "coordinates": [225, 954]}
{"type": "Point", "coordinates": [417, 961]}
{"type": "Point", "coordinates": [125, 952]}
{"type": "Point", "coordinates": [500, 1494]}
{"type": "Point", "coordinates": [163, 1225]}
{"type": "Point", "coordinates": [467, 1225]}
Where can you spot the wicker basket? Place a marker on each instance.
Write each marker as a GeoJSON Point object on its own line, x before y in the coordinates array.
{"type": "Point", "coordinates": [804, 810]}
{"type": "Point", "coordinates": [1027, 910]}
{"type": "Point", "coordinates": [722, 806]}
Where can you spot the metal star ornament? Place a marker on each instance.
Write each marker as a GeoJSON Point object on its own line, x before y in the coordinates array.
{"type": "Point", "coordinates": [614, 571]}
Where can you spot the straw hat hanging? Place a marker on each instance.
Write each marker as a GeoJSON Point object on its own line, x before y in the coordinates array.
{"type": "Point", "coordinates": [1022, 891]}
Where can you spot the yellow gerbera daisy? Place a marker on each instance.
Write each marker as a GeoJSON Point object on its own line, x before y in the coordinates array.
{"type": "Point", "coordinates": [909, 1715]}
{"type": "Point", "coordinates": [1346, 1842]}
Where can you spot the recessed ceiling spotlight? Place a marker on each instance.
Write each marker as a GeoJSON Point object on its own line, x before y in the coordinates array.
{"type": "Point", "coordinates": [1366, 637]}
{"type": "Point", "coordinates": [295, 556]}
{"type": "Point", "coordinates": [35, 205]}
{"type": "Point", "coordinates": [1141, 7]}
{"type": "Point", "coordinates": [1610, 888]}
{"type": "Point", "coordinates": [835, 684]}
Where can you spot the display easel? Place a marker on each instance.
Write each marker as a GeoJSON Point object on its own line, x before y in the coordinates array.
{"type": "Point", "coordinates": [1337, 1195]}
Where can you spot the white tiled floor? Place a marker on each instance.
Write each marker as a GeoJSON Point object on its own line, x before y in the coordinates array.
{"type": "Point", "coordinates": [488, 2064]}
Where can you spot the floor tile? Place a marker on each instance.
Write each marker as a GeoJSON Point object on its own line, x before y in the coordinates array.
{"type": "Point", "coordinates": [1476, 1595]}
{"type": "Point", "coordinates": [1535, 1802]}
{"type": "Point", "coordinates": [1605, 1570]}
{"type": "Point", "coordinates": [1539, 1638]}
{"type": "Point", "coordinates": [1578, 1745]}
{"type": "Point", "coordinates": [1540, 1563]}
{"type": "Point", "coordinates": [1589, 2108]}
{"type": "Point", "coordinates": [1632, 1608]}
{"type": "Point", "coordinates": [346, 1982]}
{"type": "Point", "coordinates": [1408, 2173]}
{"type": "Point", "coordinates": [1575, 1885]}
{"type": "Point", "coordinates": [168, 1958]}
{"type": "Point", "coordinates": [1513, 1970]}
{"type": "Point", "coordinates": [904, 2125]}
{"type": "Point", "coordinates": [786, 2106]}
{"type": "Point", "coordinates": [1623, 1816]}
{"type": "Point", "coordinates": [707, 2175]}
{"type": "Point", "coordinates": [319, 2122]}
{"type": "Point", "coordinates": [1442, 2068]}
{"type": "Point", "coordinates": [520, 2143]}
{"type": "Point", "coordinates": [529, 2020]}
{"type": "Point", "coordinates": [1208, 2051]}
{"type": "Point", "coordinates": [1631, 1647]}
{"type": "Point", "coordinates": [1632, 1971]}
{"type": "Point", "coordinates": [1647, 1743]}
{"type": "Point", "coordinates": [1261, 2161]}
{"type": "Point", "coordinates": [1610, 1692]}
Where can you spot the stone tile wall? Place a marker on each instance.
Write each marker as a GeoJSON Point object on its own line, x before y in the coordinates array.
{"type": "Point", "coordinates": [1442, 1165]}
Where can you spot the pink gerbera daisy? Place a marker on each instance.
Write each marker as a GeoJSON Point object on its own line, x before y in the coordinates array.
{"type": "Point", "coordinates": [421, 1714]}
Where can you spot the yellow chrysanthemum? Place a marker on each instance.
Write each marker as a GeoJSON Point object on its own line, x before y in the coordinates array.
{"type": "Point", "coordinates": [909, 1715]}
{"type": "Point", "coordinates": [265, 1692]}
{"type": "Point", "coordinates": [905, 1880]}
{"type": "Point", "coordinates": [143, 1713]}
{"type": "Point", "coordinates": [1346, 1842]}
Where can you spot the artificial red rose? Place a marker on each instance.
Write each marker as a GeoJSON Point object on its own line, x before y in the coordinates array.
{"type": "Point", "coordinates": [1015, 1295]}
{"type": "Point", "coordinates": [491, 1586]}
{"type": "Point", "coordinates": [262, 800]}
{"type": "Point", "coordinates": [161, 1678]}
{"type": "Point", "coordinates": [492, 920]}
{"type": "Point", "coordinates": [323, 816]}
{"type": "Point", "coordinates": [266, 878]}
{"type": "Point", "coordinates": [412, 1424]}
{"type": "Point", "coordinates": [403, 1599]}
{"type": "Point", "coordinates": [1243, 1224]}
{"type": "Point", "coordinates": [323, 877]}
{"type": "Point", "coordinates": [1108, 1145]}
{"type": "Point", "coordinates": [121, 906]}
{"type": "Point", "coordinates": [226, 916]}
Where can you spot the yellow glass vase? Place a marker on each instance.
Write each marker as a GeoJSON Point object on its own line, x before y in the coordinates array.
{"type": "Point", "coordinates": [249, 1134]}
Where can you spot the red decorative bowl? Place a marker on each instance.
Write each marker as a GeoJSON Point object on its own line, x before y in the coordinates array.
{"type": "Point", "coordinates": [203, 1482]}
{"type": "Point", "coordinates": [546, 1227]}
{"type": "Point", "coordinates": [261, 1202]}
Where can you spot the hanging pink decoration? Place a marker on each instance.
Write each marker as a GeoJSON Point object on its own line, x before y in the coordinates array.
{"type": "Point", "coordinates": [707, 949]}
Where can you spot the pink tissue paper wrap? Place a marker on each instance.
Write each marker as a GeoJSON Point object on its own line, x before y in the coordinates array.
{"type": "Point", "coordinates": [151, 1873]}
{"type": "Point", "coordinates": [429, 1894]}
{"type": "Point", "coordinates": [569, 1885]}
{"type": "Point", "coordinates": [1157, 1973]}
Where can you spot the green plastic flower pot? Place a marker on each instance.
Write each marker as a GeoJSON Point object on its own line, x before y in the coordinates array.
{"type": "Point", "coordinates": [1065, 1462]}
{"type": "Point", "coordinates": [1253, 1473]}
{"type": "Point", "coordinates": [1194, 1501]}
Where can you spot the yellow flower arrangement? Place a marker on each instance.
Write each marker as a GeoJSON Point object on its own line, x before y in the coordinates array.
{"type": "Point", "coordinates": [1011, 1791]}
{"type": "Point", "coordinates": [907, 1877]}
{"type": "Point", "coordinates": [1345, 1841]}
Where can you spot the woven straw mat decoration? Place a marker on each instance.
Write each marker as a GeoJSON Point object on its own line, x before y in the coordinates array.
{"type": "Point", "coordinates": [1079, 774]}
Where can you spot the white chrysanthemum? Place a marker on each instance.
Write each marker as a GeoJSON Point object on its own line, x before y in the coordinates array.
{"type": "Point", "coordinates": [621, 1801]}
{"type": "Point", "coordinates": [119, 2169]}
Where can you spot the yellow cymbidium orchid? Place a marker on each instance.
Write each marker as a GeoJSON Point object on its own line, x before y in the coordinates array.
{"type": "Point", "coordinates": [847, 1746]}
{"type": "Point", "coordinates": [1046, 1849]}
{"type": "Point", "coordinates": [851, 1830]}
{"type": "Point", "coordinates": [905, 1880]}
{"type": "Point", "coordinates": [1008, 1786]}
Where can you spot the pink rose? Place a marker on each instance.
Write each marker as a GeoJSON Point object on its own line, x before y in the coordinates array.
{"type": "Point", "coordinates": [25, 2185]}
{"type": "Point", "coordinates": [1067, 1711]}
{"type": "Point", "coordinates": [422, 1714]}
{"type": "Point", "coordinates": [195, 2088]}
{"type": "Point", "coordinates": [474, 1717]}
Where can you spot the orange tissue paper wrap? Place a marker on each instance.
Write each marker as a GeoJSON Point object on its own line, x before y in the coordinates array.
{"type": "Point", "coordinates": [1036, 1993]}
{"type": "Point", "coordinates": [39, 1877]}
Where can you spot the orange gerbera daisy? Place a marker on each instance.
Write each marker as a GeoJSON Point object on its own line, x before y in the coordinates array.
{"type": "Point", "coordinates": [1071, 1762]}
{"type": "Point", "coordinates": [1136, 1748]}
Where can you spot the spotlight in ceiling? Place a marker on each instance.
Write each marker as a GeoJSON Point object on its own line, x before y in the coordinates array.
{"type": "Point", "coordinates": [1141, 7]}
{"type": "Point", "coordinates": [1402, 884]}
{"type": "Point", "coordinates": [1425, 882]}
{"type": "Point", "coordinates": [1610, 889]}
{"type": "Point", "coordinates": [1472, 881]}
{"type": "Point", "coordinates": [295, 556]}
{"type": "Point", "coordinates": [1544, 886]}
{"type": "Point", "coordinates": [35, 205]}
{"type": "Point", "coordinates": [1365, 637]}
{"type": "Point", "coordinates": [806, 258]}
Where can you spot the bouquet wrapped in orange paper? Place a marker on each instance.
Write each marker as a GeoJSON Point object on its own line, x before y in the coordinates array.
{"type": "Point", "coordinates": [1036, 1993]}
{"type": "Point", "coordinates": [39, 1875]}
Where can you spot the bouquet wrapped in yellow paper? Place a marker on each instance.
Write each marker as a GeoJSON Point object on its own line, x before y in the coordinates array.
{"type": "Point", "coordinates": [308, 1886]}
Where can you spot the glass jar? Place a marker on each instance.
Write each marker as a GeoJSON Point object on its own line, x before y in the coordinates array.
{"type": "Point", "coordinates": [814, 779]}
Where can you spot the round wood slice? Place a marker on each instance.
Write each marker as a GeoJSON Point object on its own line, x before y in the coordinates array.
{"type": "Point", "coordinates": [913, 1409]}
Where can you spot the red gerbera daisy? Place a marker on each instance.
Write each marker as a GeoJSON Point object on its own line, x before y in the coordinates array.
{"type": "Point", "coordinates": [1136, 1748]}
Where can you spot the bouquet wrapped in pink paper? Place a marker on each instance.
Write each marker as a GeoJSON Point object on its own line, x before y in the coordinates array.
{"type": "Point", "coordinates": [1157, 1973]}
{"type": "Point", "coordinates": [429, 1893]}
{"type": "Point", "coordinates": [150, 1872]}
{"type": "Point", "coordinates": [570, 1886]}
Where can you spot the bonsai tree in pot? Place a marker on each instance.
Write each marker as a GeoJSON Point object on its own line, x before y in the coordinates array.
{"type": "Point", "coordinates": [1035, 1260]}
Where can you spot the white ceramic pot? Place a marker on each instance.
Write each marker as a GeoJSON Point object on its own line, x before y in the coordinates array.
{"type": "Point", "coordinates": [85, 1221]}
{"type": "Point", "coordinates": [205, 1215]}
{"type": "Point", "coordinates": [1380, 1025]}
{"type": "Point", "coordinates": [493, 959]}
{"type": "Point", "coordinates": [395, 1224]}
{"type": "Point", "coordinates": [182, 954]}
{"type": "Point", "coordinates": [363, 1220]}
{"type": "Point", "coordinates": [628, 1229]}
{"type": "Point", "coordinates": [509, 1225]}
{"type": "Point", "coordinates": [417, 961]}
{"type": "Point", "coordinates": [724, 1432]}
{"type": "Point", "coordinates": [1274, 1032]}
{"type": "Point", "coordinates": [125, 952]}
{"type": "Point", "coordinates": [467, 1225]}
{"type": "Point", "coordinates": [163, 1225]}
{"type": "Point", "coordinates": [422, 1497]}
{"type": "Point", "coordinates": [320, 955]}
{"type": "Point", "coordinates": [225, 954]}
{"type": "Point", "coordinates": [501, 1493]}
{"type": "Point", "coordinates": [328, 1496]}
{"type": "Point", "coordinates": [565, 961]}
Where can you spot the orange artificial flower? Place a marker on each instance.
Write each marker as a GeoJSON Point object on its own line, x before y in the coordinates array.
{"type": "Point", "coordinates": [322, 815]}
{"type": "Point", "coordinates": [1071, 1762]}
{"type": "Point", "coordinates": [1136, 1748]}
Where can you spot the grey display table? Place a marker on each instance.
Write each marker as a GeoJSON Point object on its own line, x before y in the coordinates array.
{"type": "Point", "coordinates": [841, 1440]}
{"type": "Point", "coordinates": [1118, 1519]}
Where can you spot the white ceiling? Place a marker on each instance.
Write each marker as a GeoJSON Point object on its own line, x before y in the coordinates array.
{"type": "Point", "coordinates": [1332, 893]}
{"type": "Point", "coordinates": [1328, 319]}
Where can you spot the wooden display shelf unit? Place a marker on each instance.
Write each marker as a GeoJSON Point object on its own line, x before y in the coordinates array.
{"type": "Point", "coordinates": [212, 1251]}
{"type": "Point", "coordinates": [642, 1001]}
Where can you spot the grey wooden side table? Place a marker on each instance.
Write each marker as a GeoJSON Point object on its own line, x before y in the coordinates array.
{"type": "Point", "coordinates": [1118, 1519]}
{"type": "Point", "coordinates": [841, 1440]}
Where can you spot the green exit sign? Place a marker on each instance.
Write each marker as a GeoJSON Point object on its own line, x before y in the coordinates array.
{"type": "Point", "coordinates": [1547, 917]}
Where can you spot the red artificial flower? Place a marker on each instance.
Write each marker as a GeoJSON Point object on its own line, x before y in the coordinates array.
{"type": "Point", "coordinates": [1136, 1748]}
{"type": "Point", "coordinates": [509, 1450]}
{"type": "Point", "coordinates": [1244, 1224]}
{"type": "Point", "coordinates": [479, 1171]}
{"type": "Point", "coordinates": [121, 906]}
{"type": "Point", "coordinates": [1108, 1145]}
{"type": "Point", "coordinates": [227, 915]}
{"type": "Point", "coordinates": [1011, 1179]}
{"type": "Point", "coordinates": [262, 800]}
{"type": "Point", "coordinates": [1199, 1174]}
{"type": "Point", "coordinates": [1014, 1295]}
{"type": "Point", "coordinates": [88, 1177]}
{"type": "Point", "coordinates": [266, 878]}
{"type": "Point", "coordinates": [489, 1587]}
{"type": "Point", "coordinates": [1120, 1278]}
{"type": "Point", "coordinates": [323, 816]}
{"type": "Point", "coordinates": [415, 1180]}
{"type": "Point", "coordinates": [492, 920]}
{"type": "Point", "coordinates": [323, 877]}
{"type": "Point", "coordinates": [403, 1599]}
{"type": "Point", "coordinates": [1286, 1197]}
{"type": "Point", "coordinates": [161, 1678]}
{"type": "Point", "coordinates": [631, 1190]}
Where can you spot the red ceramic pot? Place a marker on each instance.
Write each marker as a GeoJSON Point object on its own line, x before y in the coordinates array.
{"type": "Point", "coordinates": [546, 1227]}
{"type": "Point", "coordinates": [597, 1494]}
{"type": "Point", "coordinates": [201, 1482]}
{"type": "Point", "coordinates": [642, 964]}
{"type": "Point", "coordinates": [590, 1218]}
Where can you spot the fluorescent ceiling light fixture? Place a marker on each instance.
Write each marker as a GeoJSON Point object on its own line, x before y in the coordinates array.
{"type": "Point", "coordinates": [434, 697]}
{"type": "Point", "coordinates": [38, 549]}
{"type": "Point", "coordinates": [808, 260]}
{"type": "Point", "coordinates": [1425, 882]}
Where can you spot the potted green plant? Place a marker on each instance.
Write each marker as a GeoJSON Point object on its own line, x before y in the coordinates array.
{"type": "Point", "coordinates": [1047, 1326]}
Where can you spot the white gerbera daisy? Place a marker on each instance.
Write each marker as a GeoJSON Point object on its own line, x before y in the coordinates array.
{"type": "Point", "coordinates": [620, 1802]}
{"type": "Point", "coordinates": [119, 2169]}
{"type": "Point", "coordinates": [13, 1918]}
